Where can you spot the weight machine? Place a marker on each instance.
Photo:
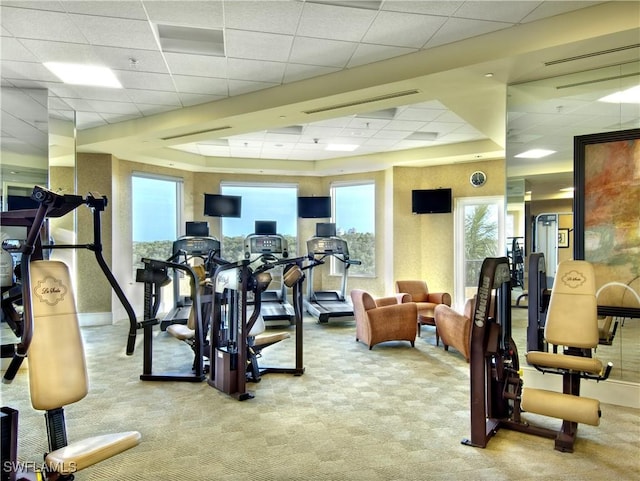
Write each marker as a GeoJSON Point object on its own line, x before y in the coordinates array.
{"type": "Point", "coordinates": [498, 398]}
{"type": "Point", "coordinates": [235, 339]}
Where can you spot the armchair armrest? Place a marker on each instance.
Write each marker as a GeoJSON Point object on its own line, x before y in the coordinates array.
{"type": "Point", "coordinates": [439, 298]}
{"type": "Point", "coordinates": [392, 300]}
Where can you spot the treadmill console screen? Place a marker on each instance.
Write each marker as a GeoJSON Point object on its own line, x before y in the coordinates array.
{"type": "Point", "coordinates": [329, 245]}
{"type": "Point", "coordinates": [271, 245]}
{"type": "Point", "coordinates": [196, 245]}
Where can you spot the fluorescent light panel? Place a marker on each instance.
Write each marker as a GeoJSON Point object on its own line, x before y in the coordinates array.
{"type": "Point", "coordinates": [89, 75]}
{"type": "Point", "coordinates": [628, 96]}
{"type": "Point", "coordinates": [535, 154]}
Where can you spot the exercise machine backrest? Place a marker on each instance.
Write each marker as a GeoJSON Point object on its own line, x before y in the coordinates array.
{"type": "Point", "coordinates": [57, 368]}
{"type": "Point", "coordinates": [572, 322]}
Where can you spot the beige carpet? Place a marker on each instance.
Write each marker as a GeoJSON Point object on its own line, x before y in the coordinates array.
{"type": "Point", "coordinates": [393, 413]}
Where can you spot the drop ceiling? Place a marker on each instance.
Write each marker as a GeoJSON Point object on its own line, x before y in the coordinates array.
{"type": "Point", "coordinates": [266, 86]}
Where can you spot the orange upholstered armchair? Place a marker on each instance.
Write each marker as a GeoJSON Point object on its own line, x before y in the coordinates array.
{"type": "Point", "coordinates": [384, 319]}
{"type": "Point", "coordinates": [455, 328]}
{"type": "Point", "coordinates": [426, 301]}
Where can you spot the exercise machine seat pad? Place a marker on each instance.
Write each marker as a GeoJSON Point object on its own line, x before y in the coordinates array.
{"type": "Point", "coordinates": [57, 367]}
{"type": "Point", "coordinates": [572, 317]}
{"type": "Point", "coordinates": [551, 360]}
{"type": "Point", "coordinates": [81, 454]}
{"type": "Point", "coordinates": [561, 406]}
{"type": "Point", "coordinates": [180, 331]}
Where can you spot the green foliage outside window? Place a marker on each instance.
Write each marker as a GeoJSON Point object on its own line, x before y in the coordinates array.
{"type": "Point", "coordinates": [481, 232]}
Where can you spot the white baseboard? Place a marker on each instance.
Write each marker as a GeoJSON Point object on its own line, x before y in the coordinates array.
{"type": "Point", "coordinates": [87, 319]}
{"type": "Point", "coordinates": [611, 391]}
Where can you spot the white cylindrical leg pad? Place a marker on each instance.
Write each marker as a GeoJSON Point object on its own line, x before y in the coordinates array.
{"type": "Point", "coordinates": [561, 406]}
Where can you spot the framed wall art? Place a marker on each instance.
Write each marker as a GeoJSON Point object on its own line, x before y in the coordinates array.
{"type": "Point", "coordinates": [607, 216]}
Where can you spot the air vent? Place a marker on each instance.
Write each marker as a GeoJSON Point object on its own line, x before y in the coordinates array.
{"type": "Point", "coordinates": [197, 41]}
{"type": "Point", "coordinates": [217, 129]}
{"type": "Point", "coordinates": [592, 54]}
{"type": "Point", "coordinates": [363, 101]}
{"type": "Point", "coordinates": [423, 136]}
{"type": "Point", "coordinates": [290, 130]}
{"type": "Point", "coordinates": [385, 114]}
{"type": "Point", "coordinates": [595, 81]}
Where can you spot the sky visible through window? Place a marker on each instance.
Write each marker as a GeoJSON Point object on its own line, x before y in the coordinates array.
{"type": "Point", "coordinates": [354, 208]}
{"type": "Point", "coordinates": [262, 203]}
{"type": "Point", "coordinates": [154, 209]}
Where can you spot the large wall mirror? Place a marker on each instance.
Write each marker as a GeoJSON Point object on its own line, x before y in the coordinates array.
{"type": "Point", "coordinates": [37, 148]}
{"type": "Point", "coordinates": [24, 144]}
{"type": "Point", "coordinates": [547, 115]}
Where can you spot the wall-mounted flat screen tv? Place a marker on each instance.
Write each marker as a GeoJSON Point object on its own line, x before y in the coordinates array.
{"type": "Point", "coordinates": [314, 207]}
{"type": "Point", "coordinates": [197, 229]}
{"type": "Point", "coordinates": [265, 227]}
{"type": "Point", "coordinates": [431, 201]}
{"type": "Point", "coordinates": [325, 229]}
{"type": "Point", "coordinates": [218, 205]}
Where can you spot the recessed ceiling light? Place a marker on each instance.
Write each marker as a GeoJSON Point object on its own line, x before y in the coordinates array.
{"type": "Point", "coordinates": [342, 147]}
{"type": "Point", "coordinates": [535, 154]}
{"type": "Point", "coordinates": [78, 74]}
{"type": "Point", "coordinates": [629, 96]}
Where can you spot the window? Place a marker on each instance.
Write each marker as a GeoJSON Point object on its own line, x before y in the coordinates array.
{"type": "Point", "coordinates": [479, 233]}
{"type": "Point", "coordinates": [156, 205]}
{"type": "Point", "coordinates": [354, 214]}
{"type": "Point", "coordinates": [271, 202]}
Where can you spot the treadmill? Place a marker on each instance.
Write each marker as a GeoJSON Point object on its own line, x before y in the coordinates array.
{"type": "Point", "coordinates": [266, 246]}
{"type": "Point", "coordinates": [185, 250]}
{"type": "Point", "coordinates": [324, 305]}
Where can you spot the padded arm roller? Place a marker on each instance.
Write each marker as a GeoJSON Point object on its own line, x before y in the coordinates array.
{"type": "Point", "coordinates": [561, 406]}
{"type": "Point", "coordinates": [81, 454]}
{"type": "Point", "coordinates": [551, 360]}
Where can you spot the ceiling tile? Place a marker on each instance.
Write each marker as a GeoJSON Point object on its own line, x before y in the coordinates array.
{"type": "Point", "coordinates": [369, 53]}
{"type": "Point", "coordinates": [328, 53]}
{"type": "Point", "coordinates": [116, 32]}
{"type": "Point", "coordinates": [53, 26]}
{"type": "Point", "coordinates": [334, 22]}
{"type": "Point", "coordinates": [294, 72]}
{"type": "Point", "coordinates": [198, 65]}
{"type": "Point", "coordinates": [257, 45]}
{"type": "Point", "coordinates": [12, 49]}
{"type": "Point", "coordinates": [201, 85]}
{"type": "Point", "coordinates": [498, 11]}
{"type": "Point", "coordinates": [145, 80]}
{"type": "Point", "coordinates": [456, 29]}
{"type": "Point", "coordinates": [261, 16]}
{"type": "Point", "coordinates": [201, 14]}
{"type": "Point", "coordinates": [106, 8]}
{"type": "Point", "coordinates": [256, 70]}
{"type": "Point", "coordinates": [239, 87]}
{"type": "Point", "coordinates": [154, 97]}
{"type": "Point", "coordinates": [403, 30]}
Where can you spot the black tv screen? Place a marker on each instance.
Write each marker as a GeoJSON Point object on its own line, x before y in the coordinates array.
{"type": "Point", "coordinates": [314, 207]}
{"type": "Point", "coordinates": [218, 205]}
{"type": "Point", "coordinates": [197, 229]}
{"type": "Point", "coordinates": [431, 201]}
{"type": "Point", "coordinates": [265, 227]}
{"type": "Point", "coordinates": [325, 229]}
